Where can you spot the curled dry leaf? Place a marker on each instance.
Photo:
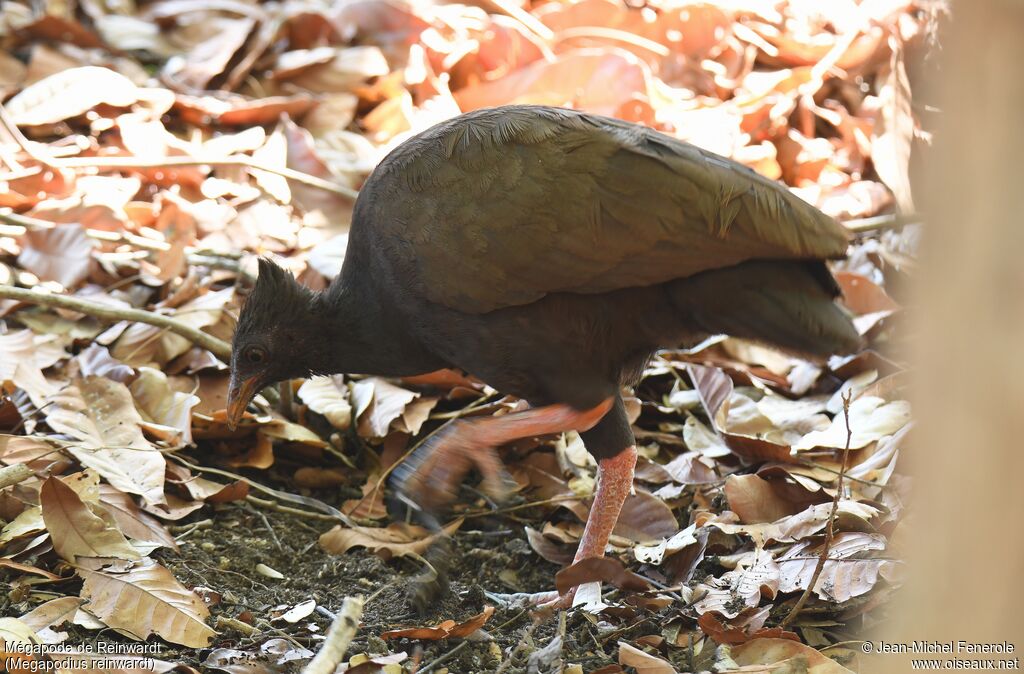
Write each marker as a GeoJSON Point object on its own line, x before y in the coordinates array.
{"type": "Point", "coordinates": [132, 522]}
{"type": "Point", "coordinates": [599, 569]}
{"type": "Point", "coordinates": [70, 93]}
{"type": "Point", "coordinates": [724, 633]}
{"type": "Point", "coordinates": [755, 499]}
{"type": "Point", "coordinates": [143, 599]}
{"type": "Point", "coordinates": [850, 516]}
{"type": "Point", "coordinates": [784, 654]}
{"type": "Point", "coordinates": [100, 416]}
{"type": "Point", "coordinates": [600, 81]}
{"type": "Point", "coordinates": [448, 629]}
{"type": "Point", "coordinates": [75, 530]}
{"type": "Point", "coordinates": [20, 365]}
{"type": "Point", "coordinates": [643, 663]}
{"type": "Point", "coordinates": [755, 578]}
{"type": "Point", "coordinates": [394, 540]}
{"type": "Point", "coordinates": [645, 517]}
{"type": "Point", "coordinates": [845, 575]}
{"type": "Point", "coordinates": [52, 613]}
{"type": "Point", "coordinates": [159, 404]}
{"type": "Point", "coordinates": [548, 549]}
{"type": "Point", "coordinates": [329, 397]}
{"type": "Point", "coordinates": [377, 403]}
{"type": "Point", "coordinates": [62, 253]}
{"type": "Point", "coordinates": [871, 418]}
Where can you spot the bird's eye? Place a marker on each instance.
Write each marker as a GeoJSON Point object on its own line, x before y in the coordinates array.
{"type": "Point", "coordinates": [255, 354]}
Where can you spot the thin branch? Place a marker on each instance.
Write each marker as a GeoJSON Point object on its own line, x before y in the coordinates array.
{"type": "Point", "coordinates": [830, 529]}
{"type": "Point", "coordinates": [339, 636]}
{"type": "Point", "coordinates": [9, 475]}
{"type": "Point", "coordinates": [234, 160]}
{"type": "Point", "coordinates": [105, 312]}
{"type": "Point", "coordinates": [164, 162]}
{"type": "Point", "coordinates": [19, 225]}
{"type": "Point", "coordinates": [881, 222]}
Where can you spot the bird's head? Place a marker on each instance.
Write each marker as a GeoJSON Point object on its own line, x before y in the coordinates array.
{"type": "Point", "coordinates": [276, 338]}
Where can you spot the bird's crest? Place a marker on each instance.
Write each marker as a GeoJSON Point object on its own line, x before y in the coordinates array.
{"type": "Point", "coordinates": [276, 299]}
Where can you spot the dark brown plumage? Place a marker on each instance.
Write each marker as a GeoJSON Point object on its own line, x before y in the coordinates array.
{"type": "Point", "coordinates": [550, 253]}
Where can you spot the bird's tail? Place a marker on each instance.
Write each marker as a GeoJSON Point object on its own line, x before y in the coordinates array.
{"type": "Point", "coordinates": [786, 304]}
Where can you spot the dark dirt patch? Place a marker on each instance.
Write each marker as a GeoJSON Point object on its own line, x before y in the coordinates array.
{"type": "Point", "coordinates": [487, 556]}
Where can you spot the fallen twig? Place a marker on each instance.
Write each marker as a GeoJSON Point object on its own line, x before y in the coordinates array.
{"type": "Point", "coordinates": [19, 225]}
{"type": "Point", "coordinates": [9, 475]}
{"type": "Point", "coordinates": [830, 528]}
{"type": "Point", "coordinates": [443, 658]}
{"type": "Point", "coordinates": [131, 162]}
{"type": "Point", "coordinates": [880, 222]}
{"type": "Point", "coordinates": [105, 312]}
{"type": "Point", "coordinates": [339, 636]}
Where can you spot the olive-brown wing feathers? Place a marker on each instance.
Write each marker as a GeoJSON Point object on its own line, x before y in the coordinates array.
{"type": "Point", "coordinates": [503, 206]}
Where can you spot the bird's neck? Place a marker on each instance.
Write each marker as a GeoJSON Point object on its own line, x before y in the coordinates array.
{"type": "Point", "coordinates": [363, 335]}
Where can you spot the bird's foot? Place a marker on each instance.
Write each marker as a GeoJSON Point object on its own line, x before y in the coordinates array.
{"type": "Point", "coordinates": [429, 479]}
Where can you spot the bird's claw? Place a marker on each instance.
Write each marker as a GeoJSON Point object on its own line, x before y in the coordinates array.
{"type": "Point", "coordinates": [429, 478]}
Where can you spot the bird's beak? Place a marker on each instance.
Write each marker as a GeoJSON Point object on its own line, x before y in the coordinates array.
{"type": "Point", "coordinates": [240, 394]}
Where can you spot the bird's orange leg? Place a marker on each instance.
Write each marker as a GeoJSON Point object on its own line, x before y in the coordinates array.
{"type": "Point", "coordinates": [614, 482]}
{"type": "Point", "coordinates": [430, 476]}
{"type": "Point", "coordinates": [615, 479]}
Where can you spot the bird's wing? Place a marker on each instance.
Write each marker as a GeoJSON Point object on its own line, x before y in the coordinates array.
{"type": "Point", "coordinates": [501, 207]}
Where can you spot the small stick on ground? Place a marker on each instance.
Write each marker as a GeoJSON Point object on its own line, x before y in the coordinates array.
{"type": "Point", "coordinates": [9, 475]}
{"type": "Point", "coordinates": [105, 312]}
{"type": "Point", "coordinates": [443, 659]}
{"type": "Point", "coordinates": [131, 162]}
{"type": "Point", "coordinates": [830, 528]}
{"type": "Point", "coordinates": [339, 636]}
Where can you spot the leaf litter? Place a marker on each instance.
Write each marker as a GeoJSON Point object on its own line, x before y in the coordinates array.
{"type": "Point", "coordinates": [150, 152]}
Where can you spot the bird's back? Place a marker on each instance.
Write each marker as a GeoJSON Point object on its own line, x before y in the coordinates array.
{"type": "Point", "coordinates": [501, 207]}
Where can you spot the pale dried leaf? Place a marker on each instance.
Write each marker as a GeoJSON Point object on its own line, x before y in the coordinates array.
{"type": "Point", "coordinates": [75, 530]}
{"type": "Point", "coordinates": [145, 599]}
{"type": "Point", "coordinates": [70, 93]}
{"type": "Point", "coordinates": [99, 414]}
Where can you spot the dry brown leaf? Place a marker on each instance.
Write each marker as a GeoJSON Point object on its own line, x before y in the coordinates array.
{"type": "Point", "coordinates": [132, 522]}
{"type": "Point", "coordinates": [645, 517]}
{"type": "Point", "coordinates": [642, 662]}
{"type": "Point", "coordinates": [845, 574]}
{"type": "Point", "coordinates": [448, 629]}
{"type": "Point", "coordinates": [850, 516]}
{"type": "Point", "coordinates": [52, 613]}
{"type": "Point", "coordinates": [599, 569]}
{"type": "Point", "coordinates": [724, 633]}
{"type": "Point", "coordinates": [206, 60]}
{"type": "Point", "coordinates": [756, 577]}
{"type": "Point", "coordinates": [548, 549]}
{"type": "Point", "coordinates": [158, 403]}
{"type": "Point", "coordinates": [780, 654]}
{"type": "Point", "coordinates": [893, 138]}
{"type": "Point", "coordinates": [75, 530]}
{"type": "Point", "coordinates": [100, 416]}
{"type": "Point", "coordinates": [143, 599]}
{"type": "Point", "coordinates": [862, 296]}
{"type": "Point", "coordinates": [871, 418]}
{"type": "Point", "coordinates": [715, 389]}
{"type": "Point", "coordinates": [755, 499]}
{"type": "Point", "coordinates": [142, 344]}
{"type": "Point", "coordinates": [62, 254]}
{"type": "Point", "coordinates": [328, 396]}
{"type": "Point", "coordinates": [377, 403]}
{"type": "Point", "coordinates": [395, 540]}
{"type": "Point", "coordinates": [70, 93]}
{"type": "Point", "coordinates": [600, 81]}
{"type": "Point", "coordinates": [20, 364]}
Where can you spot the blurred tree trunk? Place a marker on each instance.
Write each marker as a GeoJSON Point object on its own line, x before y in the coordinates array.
{"type": "Point", "coordinates": [966, 577]}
